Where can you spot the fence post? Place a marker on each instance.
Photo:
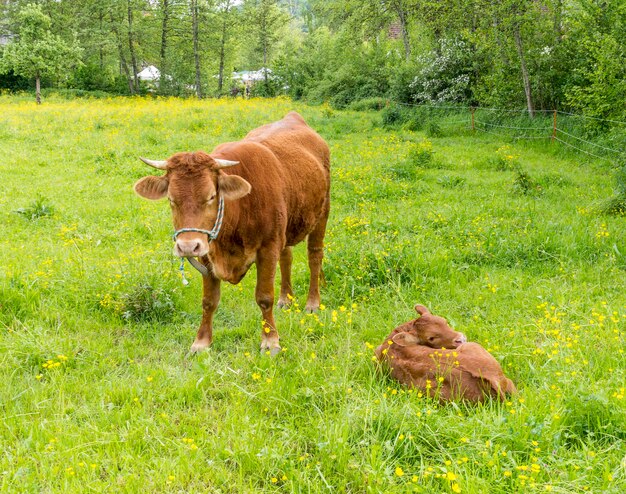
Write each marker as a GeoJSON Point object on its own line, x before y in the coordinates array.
{"type": "Point", "coordinates": [473, 118]}
{"type": "Point", "coordinates": [554, 127]}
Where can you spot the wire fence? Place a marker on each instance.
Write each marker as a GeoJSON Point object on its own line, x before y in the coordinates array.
{"type": "Point", "coordinates": [603, 139]}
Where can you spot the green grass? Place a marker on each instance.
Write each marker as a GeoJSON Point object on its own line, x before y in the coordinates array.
{"type": "Point", "coordinates": [100, 395]}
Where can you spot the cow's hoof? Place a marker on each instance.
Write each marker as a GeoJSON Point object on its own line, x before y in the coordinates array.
{"type": "Point", "coordinates": [283, 303]}
{"type": "Point", "coordinates": [199, 346]}
{"type": "Point", "coordinates": [311, 307]}
{"type": "Point", "coordinates": [272, 352]}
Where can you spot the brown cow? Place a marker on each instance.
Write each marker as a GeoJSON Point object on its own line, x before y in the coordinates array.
{"type": "Point", "coordinates": [274, 191]}
{"type": "Point", "coordinates": [427, 354]}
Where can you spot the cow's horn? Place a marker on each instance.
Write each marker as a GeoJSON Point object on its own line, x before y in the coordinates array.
{"type": "Point", "coordinates": [161, 165]}
{"type": "Point", "coordinates": [225, 163]}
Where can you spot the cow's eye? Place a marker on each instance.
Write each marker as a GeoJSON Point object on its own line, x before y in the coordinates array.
{"type": "Point", "coordinates": [432, 338]}
{"type": "Point", "coordinates": [211, 199]}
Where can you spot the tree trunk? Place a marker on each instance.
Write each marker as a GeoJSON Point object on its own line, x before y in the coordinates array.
{"type": "Point", "coordinates": [527, 89]}
{"type": "Point", "coordinates": [100, 50]}
{"type": "Point", "coordinates": [164, 33]}
{"type": "Point", "coordinates": [558, 16]}
{"type": "Point", "coordinates": [264, 41]}
{"type": "Point", "coordinates": [265, 64]}
{"type": "Point", "coordinates": [196, 50]}
{"type": "Point", "coordinates": [131, 47]}
{"type": "Point", "coordinates": [220, 76]}
{"type": "Point", "coordinates": [120, 49]}
{"type": "Point", "coordinates": [38, 89]}
{"type": "Point", "coordinates": [404, 27]}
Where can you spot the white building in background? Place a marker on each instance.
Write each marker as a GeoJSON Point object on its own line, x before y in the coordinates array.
{"type": "Point", "coordinates": [252, 76]}
{"type": "Point", "coordinates": [149, 74]}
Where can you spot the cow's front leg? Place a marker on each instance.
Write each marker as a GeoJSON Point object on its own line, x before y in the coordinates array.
{"type": "Point", "coordinates": [266, 269]}
{"type": "Point", "coordinates": [210, 301]}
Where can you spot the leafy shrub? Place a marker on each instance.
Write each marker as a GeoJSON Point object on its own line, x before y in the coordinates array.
{"type": "Point", "coordinates": [523, 184]}
{"type": "Point", "coordinates": [14, 82]}
{"type": "Point", "coordinates": [421, 154]}
{"type": "Point", "coordinates": [37, 209]}
{"type": "Point", "coordinates": [266, 89]}
{"type": "Point", "coordinates": [146, 303]}
{"type": "Point", "coordinates": [414, 122]}
{"type": "Point", "coordinates": [71, 94]}
{"type": "Point", "coordinates": [393, 115]}
{"type": "Point", "coordinates": [434, 129]}
{"type": "Point", "coordinates": [376, 103]}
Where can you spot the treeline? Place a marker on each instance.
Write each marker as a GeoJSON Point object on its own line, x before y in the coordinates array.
{"type": "Point", "coordinates": [533, 54]}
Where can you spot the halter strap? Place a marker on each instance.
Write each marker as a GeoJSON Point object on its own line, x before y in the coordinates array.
{"type": "Point", "coordinates": [212, 234]}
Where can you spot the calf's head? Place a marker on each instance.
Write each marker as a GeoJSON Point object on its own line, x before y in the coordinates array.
{"type": "Point", "coordinates": [193, 184]}
{"type": "Point", "coordinates": [429, 330]}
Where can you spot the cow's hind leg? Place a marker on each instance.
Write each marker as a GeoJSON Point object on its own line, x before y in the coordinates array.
{"type": "Point", "coordinates": [315, 249]}
{"type": "Point", "coordinates": [210, 301]}
{"type": "Point", "coordinates": [286, 292]}
{"type": "Point", "coordinates": [266, 270]}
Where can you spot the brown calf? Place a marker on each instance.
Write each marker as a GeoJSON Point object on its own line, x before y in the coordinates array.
{"type": "Point", "coordinates": [275, 187]}
{"type": "Point", "coordinates": [434, 358]}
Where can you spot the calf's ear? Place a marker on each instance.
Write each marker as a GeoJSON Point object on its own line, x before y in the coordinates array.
{"type": "Point", "coordinates": [405, 339]}
{"type": "Point", "coordinates": [233, 187]}
{"type": "Point", "coordinates": [152, 188]}
{"type": "Point", "coordinates": [421, 310]}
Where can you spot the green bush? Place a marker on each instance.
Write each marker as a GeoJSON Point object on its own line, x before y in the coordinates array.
{"type": "Point", "coordinates": [434, 129]}
{"type": "Point", "coordinates": [525, 185]}
{"type": "Point", "coordinates": [393, 115]}
{"type": "Point", "coordinates": [376, 103]}
{"type": "Point", "coordinates": [147, 303]}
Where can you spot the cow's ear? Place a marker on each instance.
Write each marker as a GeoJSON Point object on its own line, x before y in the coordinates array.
{"type": "Point", "coordinates": [405, 339]}
{"type": "Point", "coordinates": [152, 188]}
{"type": "Point", "coordinates": [233, 187]}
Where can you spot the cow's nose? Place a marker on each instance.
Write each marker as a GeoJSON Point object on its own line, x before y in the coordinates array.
{"type": "Point", "coordinates": [461, 339]}
{"type": "Point", "coordinates": [186, 248]}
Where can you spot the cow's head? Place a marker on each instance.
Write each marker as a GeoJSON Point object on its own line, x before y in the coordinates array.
{"type": "Point", "coordinates": [193, 183]}
{"type": "Point", "coordinates": [429, 330]}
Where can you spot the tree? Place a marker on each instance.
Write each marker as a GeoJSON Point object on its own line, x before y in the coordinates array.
{"type": "Point", "coordinates": [195, 27]}
{"type": "Point", "coordinates": [227, 17]}
{"type": "Point", "coordinates": [37, 52]}
{"type": "Point", "coordinates": [266, 19]}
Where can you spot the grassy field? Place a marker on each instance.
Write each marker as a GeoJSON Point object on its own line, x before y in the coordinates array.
{"type": "Point", "coordinates": [100, 395]}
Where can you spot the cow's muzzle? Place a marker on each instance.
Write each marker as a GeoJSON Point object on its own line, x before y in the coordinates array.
{"type": "Point", "coordinates": [193, 247]}
{"type": "Point", "coordinates": [460, 339]}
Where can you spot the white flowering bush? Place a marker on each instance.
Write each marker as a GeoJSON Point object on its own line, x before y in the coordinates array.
{"type": "Point", "coordinates": [445, 74]}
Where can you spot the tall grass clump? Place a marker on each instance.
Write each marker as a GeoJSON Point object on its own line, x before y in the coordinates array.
{"type": "Point", "coordinates": [147, 303]}
{"type": "Point", "coordinates": [524, 184]}
{"type": "Point", "coordinates": [616, 205]}
{"type": "Point", "coordinates": [39, 208]}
